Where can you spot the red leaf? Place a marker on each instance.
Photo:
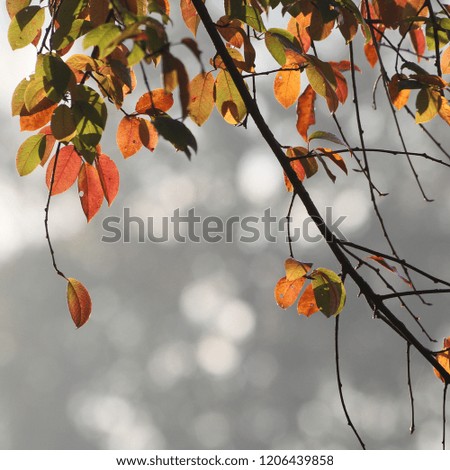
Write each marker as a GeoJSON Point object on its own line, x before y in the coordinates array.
{"type": "Point", "coordinates": [67, 169]}
{"type": "Point", "coordinates": [418, 42]}
{"type": "Point", "coordinates": [371, 54]}
{"type": "Point", "coordinates": [109, 177]}
{"type": "Point", "coordinates": [305, 112]}
{"type": "Point", "coordinates": [90, 190]}
{"type": "Point", "coordinates": [79, 302]}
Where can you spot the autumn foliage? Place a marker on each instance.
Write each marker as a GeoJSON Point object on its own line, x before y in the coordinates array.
{"type": "Point", "coordinates": [66, 99]}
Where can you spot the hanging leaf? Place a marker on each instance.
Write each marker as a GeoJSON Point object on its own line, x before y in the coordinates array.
{"type": "Point", "coordinates": [37, 117]}
{"type": "Point", "coordinates": [393, 269]}
{"type": "Point", "coordinates": [329, 291]}
{"type": "Point", "coordinates": [49, 143]}
{"type": "Point", "coordinates": [90, 190]}
{"type": "Point", "coordinates": [66, 172]}
{"type": "Point", "coordinates": [30, 154]}
{"type": "Point", "coordinates": [148, 134]}
{"type": "Point", "coordinates": [286, 292]}
{"type": "Point", "coordinates": [201, 91]}
{"type": "Point", "coordinates": [128, 138]}
{"type": "Point", "coordinates": [307, 303]}
{"type": "Point", "coordinates": [326, 136]}
{"type": "Point", "coordinates": [79, 302]}
{"type": "Point", "coordinates": [104, 38]}
{"type": "Point", "coordinates": [445, 61]}
{"type": "Point", "coordinates": [157, 100]}
{"type": "Point", "coordinates": [176, 133]}
{"type": "Point", "coordinates": [109, 177]}
{"type": "Point", "coordinates": [306, 115]}
{"type": "Point", "coordinates": [296, 165]}
{"type": "Point", "coordinates": [427, 105]}
{"type": "Point", "coordinates": [444, 109]}
{"type": "Point", "coordinates": [371, 54]}
{"type": "Point", "coordinates": [323, 80]}
{"type": "Point", "coordinates": [399, 97]}
{"type": "Point", "coordinates": [281, 43]}
{"type": "Point", "coordinates": [228, 100]}
{"type": "Point", "coordinates": [336, 158]}
{"type": "Point", "coordinates": [418, 41]}
{"type": "Point", "coordinates": [286, 86]}
{"type": "Point", "coordinates": [14, 6]}
{"type": "Point", "coordinates": [190, 16]}
{"type": "Point", "coordinates": [295, 269]}
{"type": "Point", "coordinates": [25, 26]}
{"type": "Point", "coordinates": [62, 124]}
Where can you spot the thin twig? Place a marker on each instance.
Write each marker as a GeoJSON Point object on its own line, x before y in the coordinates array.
{"type": "Point", "coordinates": [288, 218]}
{"type": "Point", "coordinates": [339, 382]}
{"type": "Point", "coordinates": [412, 427]}
{"type": "Point", "coordinates": [444, 418]}
{"type": "Point", "coordinates": [47, 208]}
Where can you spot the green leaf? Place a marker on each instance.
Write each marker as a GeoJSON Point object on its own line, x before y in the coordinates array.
{"type": "Point", "coordinates": [56, 75]}
{"type": "Point", "coordinates": [63, 38]}
{"type": "Point", "coordinates": [18, 100]}
{"type": "Point", "coordinates": [278, 41]}
{"type": "Point", "coordinates": [63, 124]}
{"type": "Point", "coordinates": [176, 133]}
{"type": "Point", "coordinates": [326, 136]}
{"type": "Point", "coordinates": [30, 154]}
{"type": "Point", "coordinates": [329, 291]}
{"type": "Point", "coordinates": [251, 16]}
{"type": "Point", "coordinates": [34, 93]}
{"type": "Point", "coordinates": [89, 114]}
{"type": "Point", "coordinates": [103, 37]}
{"type": "Point", "coordinates": [25, 26]}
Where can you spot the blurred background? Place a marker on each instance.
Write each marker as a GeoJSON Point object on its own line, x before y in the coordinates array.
{"type": "Point", "coordinates": [186, 347]}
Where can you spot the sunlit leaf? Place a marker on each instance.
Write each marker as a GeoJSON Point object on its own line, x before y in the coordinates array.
{"type": "Point", "coordinates": [444, 359]}
{"type": "Point", "coordinates": [295, 269]}
{"type": "Point", "coordinates": [190, 16]}
{"type": "Point", "coordinates": [399, 97]}
{"type": "Point", "coordinates": [427, 105]}
{"type": "Point", "coordinates": [38, 117]}
{"type": "Point", "coordinates": [66, 172]}
{"type": "Point", "coordinates": [418, 41]}
{"type": "Point", "coordinates": [128, 138]}
{"type": "Point", "coordinates": [109, 177]}
{"type": "Point", "coordinates": [158, 99]}
{"type": "Point", "coordinates": [329, 136]}
{"type": "Point", "coordinates": [25, 26]}
{"type": "Point", "coordinates": [371, 54]}
{"type": "Point", "coordinates": [103, 37]}
{"type": "Point", "coordinates": [329, 291]}
{"type": "Point", "coordinates": [228, 100]}
{"type": "Point", "coordinates": [307, 303]}
{"type": "Point", "coordinates": [336, 158]}
{"type": "Point", "coordinates": [202, 97]}
{"type": "Point", "coordinates": [323, 80]}
{"type": "Point", "coordinates": [306, 116]}
{"type": "Point", "coordinates": [90, 190]}
{"type": "Point", "coordinates": [286, 292]}
{"type": "Point", "coordinates": [78, 301]}
{"type": "Point", "coordinates": [14, 6]}
{"type": "Point", "coordinates": [286, 86]}
{"type": "Point", "coordinates": [30, 154]}
{"type": "Point", "coordinates": [445, 61]}
{"type": "Point", "coordinates": [279, 41]}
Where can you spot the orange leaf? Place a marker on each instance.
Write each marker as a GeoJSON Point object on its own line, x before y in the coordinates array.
{"type": "Point", "coordinates": [295, 269]}
{"type": "Point", "coordinates": [296, 166]}
{"type": "Point", "coordinates": [307, 302]}
{"type": "Point", "coordinates": [286, 86]}
{"type": "Point", "coordinates": [445, 61]}
{"type": "Point", "coordinates": [399, 97]}
{"type": "Point", "coordinates": [90, 190]}
{"type": "Point", "coordinates": [393, 269]}
{"type": "Point", "coordinates": [305, 112]}
{"type": "Point", "coordinates": [49, 143]}
{"type": "Point", "coordinates": [444, 110]}
{"type": "Point", "coordinates": [39, 116]}
{"type": "Point", "coordinates": [231, 31]}
{"type": "Point", "coordinates": [444, 359]}
{"type": "Point", "coordinates": [109, 177]}
{"type": "Point", "coordinates": [371, 54]}
{"type": "Point", "coordinates": [128, 138]}
{"type": "Point", "coordinates": [202, 98]}
{"type": "Point", "coordinates": [157, 99]}
{"type": "Point", "coordinates": [341, 85]}
{"type": "Point", "coordinates": [67, 169]}
{"type": "Point", "coordinates": [148, 134]}
{"type": "Point", "coordinates": [334, 157]}
{"type": "Point", "coordinates": [286, 292]}
{"type": "Point", "coordinates": [79, 302]}
{"type": "Point", "coordinates": [295, 28]}
{"type": "Point", "coordinates": [418, 42]}
{"type": "Point", "coordinates": [190, 16]}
